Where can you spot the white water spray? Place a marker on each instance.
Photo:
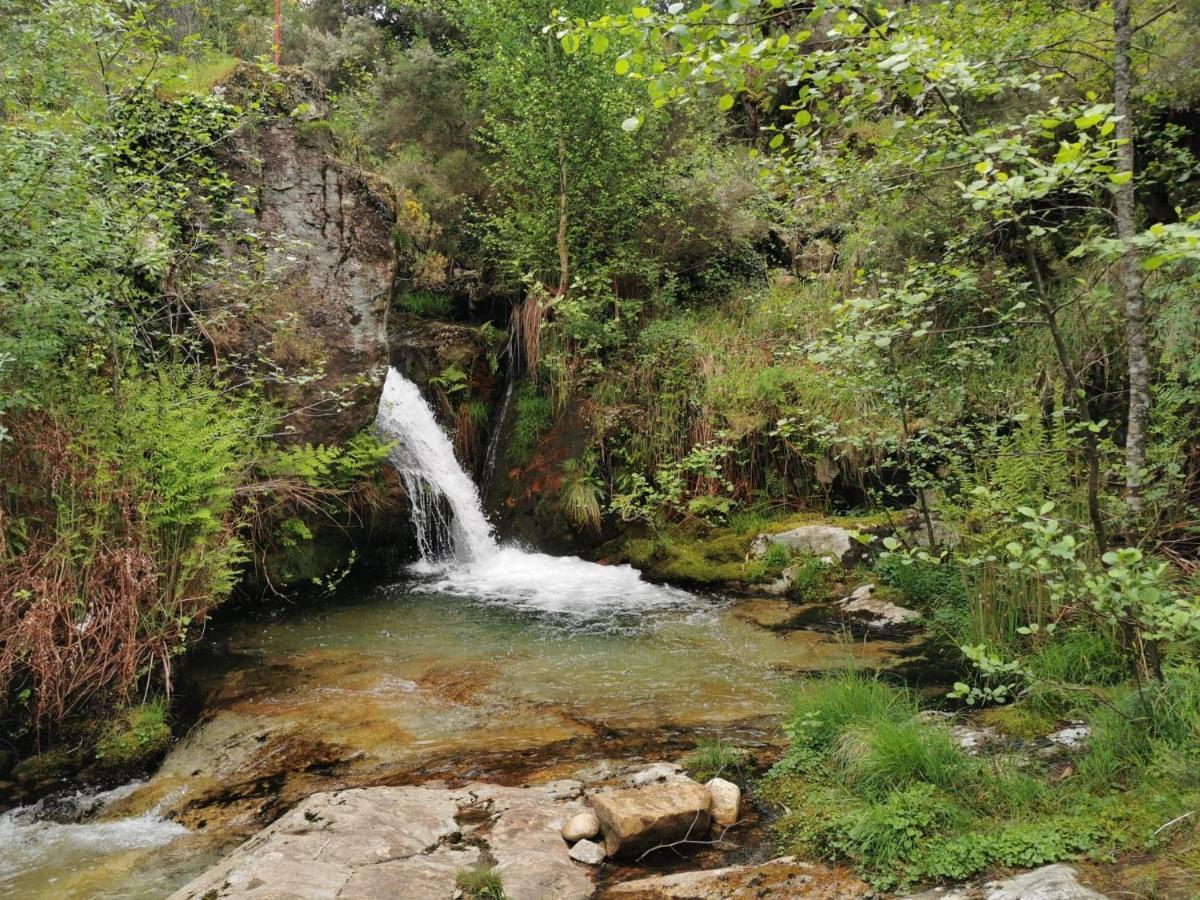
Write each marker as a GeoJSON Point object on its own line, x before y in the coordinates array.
{"type": "Point", "coordinates": [458, 550]}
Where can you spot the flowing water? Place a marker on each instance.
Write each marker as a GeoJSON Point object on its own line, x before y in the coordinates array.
{"type": "Point", "coordinates": [481, 662]}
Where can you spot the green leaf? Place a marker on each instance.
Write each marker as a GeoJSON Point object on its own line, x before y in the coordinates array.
{"type": "Point", "coordinates": [803, 117]}
{"type": "Point", "coordinates": [632, 124]}
{"type": "Point", "coordinates": [776, 142]}
{"type": "Point", "coordinates": [622, 66]}
{"type": "Point", "coordinates": [726, 102]}
{"type": "Point", "coordinates": [1120, 177]}
{"type": "Point", "coordinates": [570, 42]}
{"type": "Point", "coordinates": [599, 43]}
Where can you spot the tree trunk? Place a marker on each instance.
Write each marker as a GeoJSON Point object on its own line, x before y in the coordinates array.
{"type": "Point", "coordinates": [564, 272]}
{"type": "Point", "coordinates": [1130, 265]}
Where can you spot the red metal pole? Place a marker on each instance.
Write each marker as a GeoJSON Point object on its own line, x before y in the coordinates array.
{"type": "Point", "coordinates": [278, 28]}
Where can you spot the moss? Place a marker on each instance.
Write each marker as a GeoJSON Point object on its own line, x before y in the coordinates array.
{"type": "Point", "coordinates": [135, 738]}
{"type": "Point", "coordinates": [1017, 721]}
{"type": "Point", "coordinates": [55, 763]}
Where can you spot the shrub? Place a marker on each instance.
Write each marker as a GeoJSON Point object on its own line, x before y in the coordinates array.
{"type": "Point", "coordinates": [822, 709]}
{"type": "Point", "coordinates": [136, 737]}
{"type": "Point", "coordinates": [533, 417]}
{"type": "Point", "coordinates": [480, 884]}
{"type": "Point", "coordinates": [426, 305]}
{"type": "Point", "coordinates": [715, 758]}
{"type": "Point", "coordinates": [925, 584]}
{"type": "Point", "coordinates": [876, 757]}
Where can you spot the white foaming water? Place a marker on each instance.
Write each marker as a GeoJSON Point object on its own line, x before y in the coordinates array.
{"type": "Point", "coordinates": [458, 551]}
{"type": "Point", "coordinates": [65, 829]}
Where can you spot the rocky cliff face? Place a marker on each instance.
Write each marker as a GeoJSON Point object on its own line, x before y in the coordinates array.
{"type": "Point", "coordinates": [317, 235]}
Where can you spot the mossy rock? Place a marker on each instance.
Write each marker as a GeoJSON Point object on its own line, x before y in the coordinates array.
{"type": "Point", "coordinates": [135, 738]}
{"type": "Point", "coordinates": [55, 763]}
{"type": "Point", "coordinates": [1017, 721]}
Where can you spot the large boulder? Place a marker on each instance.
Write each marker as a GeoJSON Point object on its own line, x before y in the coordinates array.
{"type": "Point", "coordinates": [636, 820]}
{"type": "Point", "coordinates": [314, 323]}
{"type": "Point", "coordinates": [814, 540]}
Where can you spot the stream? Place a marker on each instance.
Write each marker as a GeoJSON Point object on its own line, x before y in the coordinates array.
{"type": "Point", "coordinates": [481, 662]}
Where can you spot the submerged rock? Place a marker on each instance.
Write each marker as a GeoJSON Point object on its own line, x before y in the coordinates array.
{"type": "Point", "coordinates": [636, 820]}
{"type": "Point", "coordinates": [783, 877]}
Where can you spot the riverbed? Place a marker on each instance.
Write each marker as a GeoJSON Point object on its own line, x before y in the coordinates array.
{"type": "Point", "coordinates": [404, 683]}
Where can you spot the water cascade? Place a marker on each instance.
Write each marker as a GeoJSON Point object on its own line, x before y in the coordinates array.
{"type": "Point", "coordinates": [460, 555]}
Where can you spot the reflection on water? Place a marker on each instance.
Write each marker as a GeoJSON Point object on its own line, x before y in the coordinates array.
{"type": "Point", "coordinates": [382, 684]}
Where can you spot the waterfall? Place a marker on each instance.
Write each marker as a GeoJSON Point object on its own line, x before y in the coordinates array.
{"type": "Point", "coordinates": [460, 555]}
{"type": "Point", "coordinates": [436, 484]}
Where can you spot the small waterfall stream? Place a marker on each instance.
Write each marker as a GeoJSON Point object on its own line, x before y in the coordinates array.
{"type": "Point", "coordinates": [459, 553]}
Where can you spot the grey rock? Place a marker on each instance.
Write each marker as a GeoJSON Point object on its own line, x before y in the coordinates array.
{"type": "Point", "coordinates": [726, 797]}
{"type": "Point", "coordinates": [874, 612]}
{"type": "Point", "coordinates": [588, 852]}
{"type": "Point", "coordinates": [581, 826]}
{"type": "Point", "coordinates": [1057, 882]}
{"type": "Point", "coordinates": [813, 540]}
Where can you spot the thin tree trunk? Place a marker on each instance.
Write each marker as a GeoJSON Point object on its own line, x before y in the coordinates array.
{"type": "Point", "coordinates": [564, 272]}
{"type": "Point", "coordinates": [1130, 265]}
{"type": "Point", "coordinates": [1091, 446]}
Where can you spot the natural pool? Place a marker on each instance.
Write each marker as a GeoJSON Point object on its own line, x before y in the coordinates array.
{"type": "Point", "coordinates": [403, 683]}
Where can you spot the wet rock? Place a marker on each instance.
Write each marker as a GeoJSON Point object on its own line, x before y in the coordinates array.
{"type": "Point", "coordinates": [783, 877]}
{"type": "Point", "coordinates": [813, 540]}
{"type": "Point", "coordinates": [726, 797]}
{"type": "Point", "coordinates": [588, 852]}
{"type": "Point", "coordinates": [580, 827]}
{"type": "Point", "coordinates": [635, 820]}
{"type": "Point", "coordinates": [876, 613]}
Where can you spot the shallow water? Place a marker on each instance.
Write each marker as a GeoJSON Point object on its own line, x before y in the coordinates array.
{"type": "Point", "coordinates": [406, 682]}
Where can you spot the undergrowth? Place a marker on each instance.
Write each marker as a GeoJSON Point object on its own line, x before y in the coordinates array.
{"type": "Point", "coordinates": [870, 781]}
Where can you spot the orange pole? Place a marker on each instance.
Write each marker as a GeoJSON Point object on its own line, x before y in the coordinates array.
{"type": "Point", "coordinates": [278, 28]}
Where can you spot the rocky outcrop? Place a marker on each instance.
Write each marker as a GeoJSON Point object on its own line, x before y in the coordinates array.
{"type": "Point", "coordinates": [319, 232]}
{"type": "Point", "coordinates": [636, 820]}
{"type": "Point", "coordinates": [783, 877]}
{"type": "Point", "coordinates": [406, 843]}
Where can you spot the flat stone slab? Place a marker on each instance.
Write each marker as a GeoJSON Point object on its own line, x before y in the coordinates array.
{"type": "Point", "coordinates": [783, 877]}
{"type": "Point", "coordinates": [406, 843]}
